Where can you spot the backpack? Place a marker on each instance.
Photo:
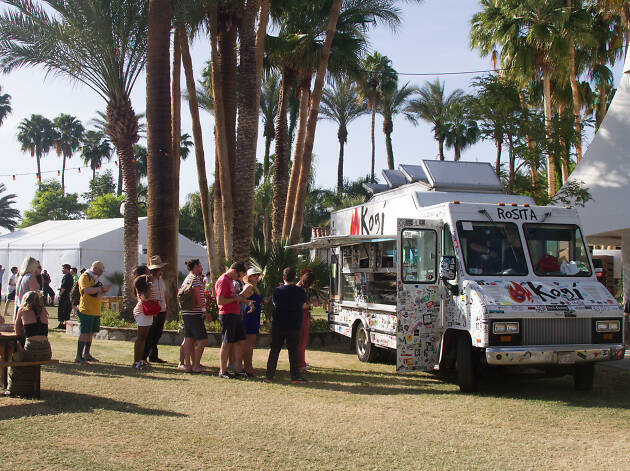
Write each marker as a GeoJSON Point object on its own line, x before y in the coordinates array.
{"type": "Point", "coordinates": [75, 293]}
{"type": "Point", "coordinates": [185, 295]}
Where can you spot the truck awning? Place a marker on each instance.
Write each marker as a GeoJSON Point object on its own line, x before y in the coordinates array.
{"type": "Point", "coordinates": [336, 241]}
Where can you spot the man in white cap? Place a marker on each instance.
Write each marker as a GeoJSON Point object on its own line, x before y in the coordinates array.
{"type": "Point", "coordinates": [92, 291]}
{"type": "Point", "coordinates": [158, 292]}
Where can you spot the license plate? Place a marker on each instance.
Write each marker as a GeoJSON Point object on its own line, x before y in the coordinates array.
{"type": "Point", "coordinates": [566, 358]}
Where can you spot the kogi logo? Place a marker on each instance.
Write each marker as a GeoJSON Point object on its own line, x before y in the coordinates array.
{"type": "Point", "coordinates": [367, 224]}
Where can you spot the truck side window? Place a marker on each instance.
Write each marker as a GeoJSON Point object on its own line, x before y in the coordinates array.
{"type": "Point", "coordinates": [418, 255]}
{"type": "Point", "coordinates": [449, 248]}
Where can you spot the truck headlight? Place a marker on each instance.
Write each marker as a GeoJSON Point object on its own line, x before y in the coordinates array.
{"type": "Point", "coordinates": [505, 328]}
{"type": "Point", "coordinates": [608, 326]}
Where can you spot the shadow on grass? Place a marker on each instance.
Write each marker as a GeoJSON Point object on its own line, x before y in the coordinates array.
{"type": "Point", "coordinates": [114, 370]}
{"type": "Point", "coordinates": [64, 402]}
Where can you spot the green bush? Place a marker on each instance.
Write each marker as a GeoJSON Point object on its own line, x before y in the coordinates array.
{"type": "Point", "coordinates": [111, 318]}
{"type": "Point", "coordinates": [318, 324]}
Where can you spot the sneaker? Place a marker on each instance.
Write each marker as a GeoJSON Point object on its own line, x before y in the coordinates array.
{"type": "Point", "coordinates": [61, 327]}
{"type": "Point", "coordinates": [226, 375]}
{"type": "Point", "coordinates": [242, 374]}
{"type": "Point", "coordinates": [80, 360]}
{"type": "Point", "coordinates": [307, 367]}
{"type": "Point", "coordinates": [89, 357]}
{"type": "Point", "coordinates": [299, 380]}
{"type": "Point", "coordinates": [139, 365]}
{"type": "Point", "coordinates": [268, 380]}
{"type": "Point", "coordinates": [157, 360]}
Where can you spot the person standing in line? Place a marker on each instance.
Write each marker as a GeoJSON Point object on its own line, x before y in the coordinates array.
{"type": "Point", "coordinates": [306, 281]}
{"type": "Point", "coordinates": [65, 306]}
{"type": "Point", "coordinates": [75, 281]}
{"type": "Point", "coordinates": [27, 281]}
{"type": "Point", "coordinates": [2, 270]}
{"type": "Point", "coordinates": [11, 293]}
{"type": "Point", "coordinates": [193, 309]}
{"type": "Point", "coordinates": [158, 292]}
{"type": "Point", "coordinates": [251, 317]}
{"type": "Point", "coordinates": [144, 320]}
{"type": "Point", "coordinates": [207, 280]}
{"type": "Point", "coordinates": [232, 330]}
{"type": "Point", "coordinates": [288, 300]}
{"type": "Point", "coordinates": [92, 291]}
{"type": "Point", "coordinates": [49, 293]}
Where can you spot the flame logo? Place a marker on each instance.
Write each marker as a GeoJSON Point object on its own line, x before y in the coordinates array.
{"type": "Point", "coordinates": [518, 293]}
{"type": "Point", "coordinates": [354, 223]}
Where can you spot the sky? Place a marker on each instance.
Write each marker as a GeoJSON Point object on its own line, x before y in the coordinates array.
{"type": "Point", "coordinates": [433, 38]}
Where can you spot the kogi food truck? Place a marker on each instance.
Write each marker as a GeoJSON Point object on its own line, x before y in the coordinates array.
{"type": "Point", "coordinates": [446, 269]}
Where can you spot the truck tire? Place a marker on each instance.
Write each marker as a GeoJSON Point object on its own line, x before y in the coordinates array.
{"type": "Point", "coordinates": [465, 365]}
{"type": "Point", "coordinates": [365, 350]}
{"type": "Point", "coordinates": [583, 376]}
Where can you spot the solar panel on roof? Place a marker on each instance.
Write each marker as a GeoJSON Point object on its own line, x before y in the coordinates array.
{"type": "Point", "coordinates": [375, 187]}
{"type": "Point", "coordinates": [466, 176]}
{"type": "Point", "coordinates": [413, 173]}
{"type": "Point", "coordinates": [394, 178]}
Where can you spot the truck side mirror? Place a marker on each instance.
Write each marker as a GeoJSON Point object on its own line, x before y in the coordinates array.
{"type": "Point", "coordinates": [448, 268]}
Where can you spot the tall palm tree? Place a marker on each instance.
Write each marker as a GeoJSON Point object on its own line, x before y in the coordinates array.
{"type": "Point", "coordinates": [36, 135]}
{"type": "Point", "coordinates": [9, 217]}
{"type": "Point", "coordinates": [377, 78]}
{"type": "Point", "coordinates": [433, 107]}
{"type": "Point", "coordinates": [185, 143]}
{"type": "Point", "coordinates": [269, 111]}
{"type": "Point", "coordinates": [5, 106]}
{"type": "Point", "coordinates": [95, 150]}
{"type": "Point", "coordinates": [393, 103]}
{"type": "Point", "coordinates": [530, 37]}
{"type": "Point", "coordinates": [68, 138]}
{"type": "Point", "coordinates": [461, 131]}
{"type": "Point", "coordinates": [340, 104]}
{"type": "Point", "coordinates": [101, 44]}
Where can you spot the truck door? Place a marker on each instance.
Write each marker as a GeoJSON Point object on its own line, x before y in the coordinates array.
{"type": "Point", "coordinates": [418, 301]}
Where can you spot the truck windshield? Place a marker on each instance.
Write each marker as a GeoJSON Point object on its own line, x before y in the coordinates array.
{"type": "Point", "coordinates": [491, 248]}
{"type": "Point", "coordinates": [557, 250]}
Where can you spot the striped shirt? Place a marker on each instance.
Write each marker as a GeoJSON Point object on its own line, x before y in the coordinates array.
{"type": "Point", "coordinates": [197, 282]}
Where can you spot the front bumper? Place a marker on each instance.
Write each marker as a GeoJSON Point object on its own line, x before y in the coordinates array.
{"type": "Point", "coordinates": [553, 354]}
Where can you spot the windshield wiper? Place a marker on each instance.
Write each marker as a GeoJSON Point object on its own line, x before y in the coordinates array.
{"type": "Point", "coordinates": [486, 214]}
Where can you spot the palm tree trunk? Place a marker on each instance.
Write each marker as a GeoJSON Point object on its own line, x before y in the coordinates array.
{"type": "Point", "coordinates": [199, 155]}
{"type": "Point", "coordinates": [120, 180]}
{"type": "Point", "coordinates": [161, 211]}
{"type": "Point", "coordinates": [497, 165]}
{"type": "Point", "coordinates": [551, 165]}
{"type": "Point", "coordinates": [266, 158]}
{"type": "Point", "coordinates": [39, 168]}
{"type": "Point", "coordinates": [218, 213]}
{"type": "Point", "coordinates": [298, 155]}
{"type": "Point", "coordinates": [390, 150]}
{"type": "Point", "coordinates": [458, 152]}
{"type": "Point", "coordinates": [281, 163]}
{"type": "Point", "coordinates": [307, 154]}
{"type": "Point", "coordinates": [227, 207]}
{"type": "Point", "coordinates": [266, 229]}
{"type": "Point", "coordinates": [342, 134]}
{"type": "Point", "coordinates": [373, 105]}
{"type": "Point", "coordinates": [176, 133]}
{"type": "Point", "coordinates": [63, 174]}
{"type": "Point", "coordinates": [512, 161]}
{"type": "Point", "coordinates": [247, 140]}
{"type": "Point", "coordinates": [576, 97]}
{"type": "Point", "coordinates": [441, 148]}
{"type": "Point", "coordinates": [93, 174]}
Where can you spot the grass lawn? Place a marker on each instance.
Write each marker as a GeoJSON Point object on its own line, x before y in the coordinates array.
{"type": "Point", "coordinates": [350, 415]}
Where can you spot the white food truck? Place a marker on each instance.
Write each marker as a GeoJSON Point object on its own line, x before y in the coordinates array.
{"type": "Point", "coordinates": [445, 268]}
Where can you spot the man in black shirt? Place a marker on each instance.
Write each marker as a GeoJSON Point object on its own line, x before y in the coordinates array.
{"type": "Point", "coordinates": [288, 300]}
{"type": "Point", "coordinates": [65, 305]}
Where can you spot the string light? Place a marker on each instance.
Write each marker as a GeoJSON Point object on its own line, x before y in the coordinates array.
{"type": "Point", "coordinates": [58, 173]}
{"type": "Point", "coordinates": [13, 177]}
{"type": "Point", "coordinates": [79, 170]}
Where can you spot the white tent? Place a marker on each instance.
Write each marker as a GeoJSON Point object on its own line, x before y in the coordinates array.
{"type": "Point", "coordinates": [605, 172]}
{"type": "Point", "coordinates": [78, 243]}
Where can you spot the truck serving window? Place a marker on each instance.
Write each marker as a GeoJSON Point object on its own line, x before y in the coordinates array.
{"type": "Point", "coordinates": [492, 248]}
{"type": "Point", "coordinates": [418, 255]}
{"type": "Point", "coordinates": [557, 250]}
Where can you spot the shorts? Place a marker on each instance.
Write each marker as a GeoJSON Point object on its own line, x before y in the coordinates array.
{"type": "Point", "coordinates": [142, 320]}
{"type": "Point", "coordinates": [89, 324]}
{"type": "Point", "coordinates": [194, 326]}
{"type": "Point", "coordinates": [232, 330]}
{"type": "Point", "coordinates": [11, 296]}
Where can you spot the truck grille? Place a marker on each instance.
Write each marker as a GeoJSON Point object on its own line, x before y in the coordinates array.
{"type": "Point", "coordinates": [556, 331]}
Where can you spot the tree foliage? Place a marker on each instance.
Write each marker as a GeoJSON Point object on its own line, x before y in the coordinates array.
{"type": "Point", "coordinates": [50, 204]}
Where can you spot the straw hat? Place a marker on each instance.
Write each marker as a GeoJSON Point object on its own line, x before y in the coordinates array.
{"type": "Point", "coordinates": [250, 272]}
{"type": "Point", "coordinates": [155, 262]}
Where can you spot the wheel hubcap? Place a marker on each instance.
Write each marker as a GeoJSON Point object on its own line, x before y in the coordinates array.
{"type": "Point", "coordinates": [362, 341]}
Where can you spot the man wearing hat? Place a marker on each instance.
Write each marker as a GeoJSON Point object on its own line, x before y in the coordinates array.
{"type": "Point", "coordinates": [158, 292]}
{"type": "Point", "coordinates": [92, 291]}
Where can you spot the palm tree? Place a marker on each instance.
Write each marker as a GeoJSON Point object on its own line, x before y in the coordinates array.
{"type": "Point", "coordinates": [36, 135]}
{"type": "Point", "coordinates": [461, 131]}
{"type": "Point", "coordinates": [5, 106]}
{"type": "Point", "coordinates": [377, 78]}
{"type": "Point", "coordinates": [9, 217]}
{"type": "Point", "coordinates": [185, 143]}
{"type": "Point", "coordinates": [269, 111]}
{"type": "Point", "coordinates": [68, 138]}
{"type": "Point", "coordinates": [395, 102]}
{"type": "Point", "coordinates": [95, 150]}
{"type": "Point", "coordinates": [340, 104]}
{"type": "Point", "coordinates": [433, 107]}
{"type": "Point", "coordinates": [530, 36]}
{"type": "Point", "coordinates": [101, 44]}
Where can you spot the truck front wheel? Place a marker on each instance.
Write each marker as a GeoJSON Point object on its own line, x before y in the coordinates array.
{"type": "Point", "coordinates": [583, 376]}
{"type": "Point", "coordinates": [365, 350]}
{"type": "Point", "coordinates": [465, 365]}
